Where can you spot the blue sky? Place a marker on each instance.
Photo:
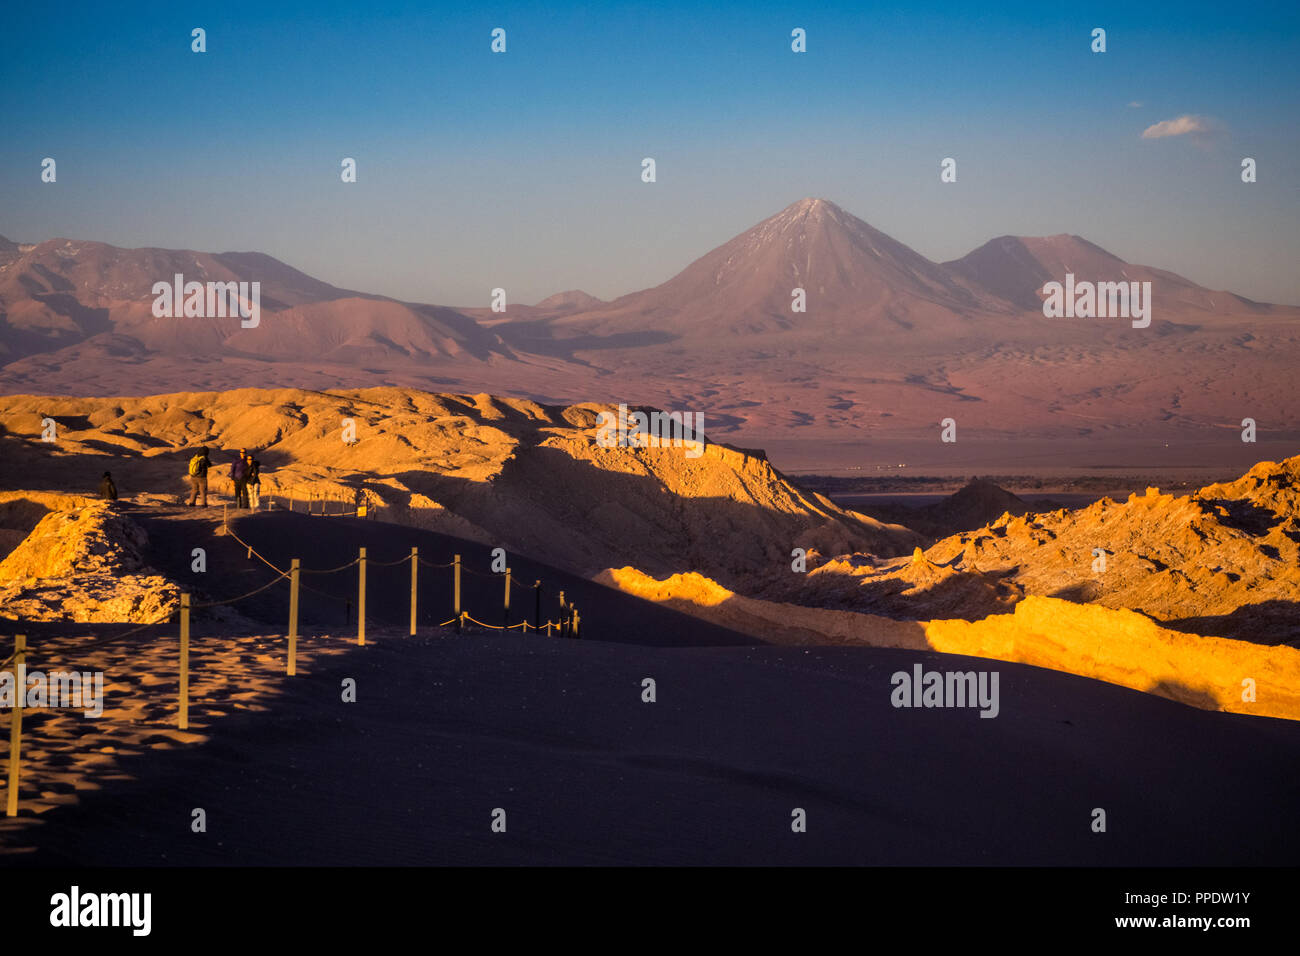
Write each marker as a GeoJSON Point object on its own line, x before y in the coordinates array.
{"type": "Point", "coordinates": [522, 170]}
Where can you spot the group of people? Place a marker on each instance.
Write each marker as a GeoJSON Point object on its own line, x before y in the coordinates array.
{"type": "Point", "coordinates": [245, 472]}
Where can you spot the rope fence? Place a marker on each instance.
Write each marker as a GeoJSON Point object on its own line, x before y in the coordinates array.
{"type": "Point", "coordinates": [567, 625]}
{"type": "Point", "coordinates": [326, 500]}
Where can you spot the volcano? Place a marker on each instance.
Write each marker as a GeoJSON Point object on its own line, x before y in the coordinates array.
{"type": "Point", "coordinates": [854, 278]}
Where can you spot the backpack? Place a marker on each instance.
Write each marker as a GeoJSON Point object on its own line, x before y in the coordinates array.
{"type": "Point", "coordinates": [196, 465]}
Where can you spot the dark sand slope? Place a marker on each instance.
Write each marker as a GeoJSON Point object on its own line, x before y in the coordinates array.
{"type": "Point", "coordinates": [320, 542]}
{"type": "Point", "coordinates": [446, 729]}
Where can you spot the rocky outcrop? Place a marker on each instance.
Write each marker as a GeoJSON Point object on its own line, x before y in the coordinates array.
{"type": "Point", "coordinates": [83, 561]}
{"type": "Point", "coordinates": [531, 478]}
{"type": "Point", "coordinates": [1223, 561]}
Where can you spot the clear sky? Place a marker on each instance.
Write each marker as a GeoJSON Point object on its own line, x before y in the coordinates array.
{"type": "Point", "coordinates": [522, 169]}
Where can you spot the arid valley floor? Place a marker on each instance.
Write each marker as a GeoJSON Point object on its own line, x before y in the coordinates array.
{"type": "Point", "coordinates": [1121, 688]}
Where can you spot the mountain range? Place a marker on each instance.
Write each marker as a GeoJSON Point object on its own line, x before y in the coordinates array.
{"type": "Point", "coordinates": [888, 340]}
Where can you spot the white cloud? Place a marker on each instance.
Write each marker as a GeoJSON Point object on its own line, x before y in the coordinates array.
{"type": "Point", "coordinates": [1181, 126]}
{"type": "Point", "coordinates": [1135, 105]}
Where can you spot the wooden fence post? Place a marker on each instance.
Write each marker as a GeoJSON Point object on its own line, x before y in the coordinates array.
{"type": "Point", "coordinates": [293, 617]}
{"type": "Point", "coordinates": [184, 722]}
{"type": "Point", "coordinates": [505, 613]}
{"type": "Point", "coordinates": [415, 567]}
{"type": "Point", "coordinates": [16, 722]}
{"type": "Point", "coordinates": [361, 600]}
{"type": "Point", "coordinates": [576, 619]}
{"type": "Point", "coordinates": [537, 605]}
{"type": "Point", "coordinates": [455, 577]}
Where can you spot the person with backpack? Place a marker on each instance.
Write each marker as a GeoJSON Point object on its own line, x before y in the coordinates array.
{"type": "Point", "coordinates": [199, 466]}
{"type": "Point", "coordinates": [239, 475]}
{"type": "Point", "coordinates": [253, 481]}
{"type": "Point", "coordinates": [106, 487]}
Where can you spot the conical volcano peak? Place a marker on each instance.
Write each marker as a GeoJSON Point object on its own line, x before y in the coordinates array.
{"type": "Point", "coordinates": [852, 276]}
{"type": "Point", "coordinates": [814, 205]}
{"type": "Point", "coordinates": [811, 208]}
{"type": "Point", "coordinates": [813, 220]}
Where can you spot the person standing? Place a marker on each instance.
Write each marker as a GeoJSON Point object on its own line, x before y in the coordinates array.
{"type": "Point", "coordinates": [199, 466]}
{"type": "Point", "coordinates": [253, 481]}
{"type": "Point", "coordinates": [106, 487]}
{"type": "Point", "coordinates": [239, 475]}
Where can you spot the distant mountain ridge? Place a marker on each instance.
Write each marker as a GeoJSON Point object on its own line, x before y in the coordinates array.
{"type": "Point", "coordinates": [63, 293]}
{"type": "Point", "coordinates": [855, 279]}
{"type": "Point", "coordinates": [1014, 268]}
{"type": "Point", "coordinates": [889, 342]}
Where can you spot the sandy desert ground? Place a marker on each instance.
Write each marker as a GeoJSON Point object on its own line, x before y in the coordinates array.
{"type": "Point", "coordinates": [774, 685]}
{"type": "Point", "coordinates": [448, 728]}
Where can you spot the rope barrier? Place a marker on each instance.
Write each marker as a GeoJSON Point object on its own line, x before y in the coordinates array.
{"type": "Point", "coordinates": [123, 636]}
{"type": "Point", "coordinates": [186, 609]}
{"type": "Point", "coordinates": [275, 580]}
{"type": "Point", "coordinates": [325, 594]}
{"type": "Point", "coordinates": [342, 567]}
{"type": "Point", "coordinates": [281, 574]}
{"type": "Point", "coordinates": [508, 627]}
{"type": "Point", "coordinates": [230, 531]}
{"type": "Point", "coordinates": [495, 627]}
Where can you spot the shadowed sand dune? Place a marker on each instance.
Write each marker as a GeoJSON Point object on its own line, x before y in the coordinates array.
{"type": "Point", "coordinates": [445, 730]}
